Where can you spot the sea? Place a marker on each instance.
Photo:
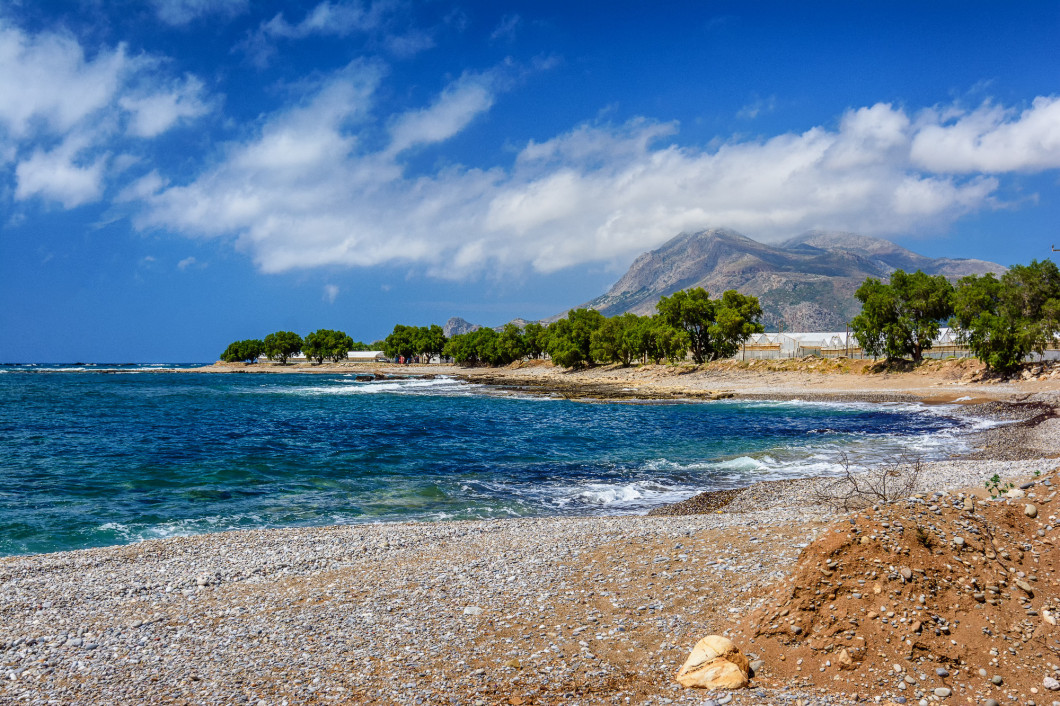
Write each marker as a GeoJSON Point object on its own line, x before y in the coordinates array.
{"type": "Point", "coordinates": [95, 455]}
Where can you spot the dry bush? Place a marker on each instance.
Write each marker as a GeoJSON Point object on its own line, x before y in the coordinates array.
{"type": "Point", "coordinates": [853, 489]}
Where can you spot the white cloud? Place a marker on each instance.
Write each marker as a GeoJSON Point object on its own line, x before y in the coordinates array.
{"type": "Point", "coordinates": [186, 263]}
{"type": "Point", "coordinates": [450, 113]}
{"type": "Point", "coordinates": [505, 29]}
{"type": "Point", "coordinates": [154, 113]}
{"type": "Point", "coordinates": [47, 84]}
{"type": "Point", "coordinates": [58, 175]}
{"type": "Point", "coordinates": [62, 110]}
{"type": "Point", "coordinates": [991, 139]}
{"type": "Point", "coordinates": [330, 293]}
{"type": "Point", "coordinates": [181, 12]}
{"type": "Point", "coordinates": [307, 191]}
{"type": "Point", "coordinates": [330, 18]}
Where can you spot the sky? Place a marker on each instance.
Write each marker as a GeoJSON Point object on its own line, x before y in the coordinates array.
{"type": "Point", "coordinates": [179, 174]}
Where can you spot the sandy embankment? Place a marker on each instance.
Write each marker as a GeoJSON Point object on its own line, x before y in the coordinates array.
{"type": "Point", "coordinates": [546, 611]}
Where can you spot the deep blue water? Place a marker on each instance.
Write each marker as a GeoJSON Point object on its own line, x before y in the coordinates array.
{"type": "Point", "coordinates": [98, 458]}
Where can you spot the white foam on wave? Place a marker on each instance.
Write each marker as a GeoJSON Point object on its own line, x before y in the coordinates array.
{"type": "Point", "coordinates": [436, 386]}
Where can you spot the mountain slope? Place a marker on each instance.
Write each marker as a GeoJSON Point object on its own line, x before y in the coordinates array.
{"type": "Point", "coordinates": [806, 283]}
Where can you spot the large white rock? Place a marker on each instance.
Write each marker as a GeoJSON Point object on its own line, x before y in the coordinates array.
{"type": "Point", "coordinates": [715, 663]}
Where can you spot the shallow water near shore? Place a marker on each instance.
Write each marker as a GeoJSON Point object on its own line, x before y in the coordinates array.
{"type": "Point", "coordinates": [91, 458]}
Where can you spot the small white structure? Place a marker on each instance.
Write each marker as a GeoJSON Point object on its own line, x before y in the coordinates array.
{"type": "Point", "coordinates": [366, 357]}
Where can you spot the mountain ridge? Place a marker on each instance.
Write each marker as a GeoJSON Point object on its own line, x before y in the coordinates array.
{"type": "Point", "coordinates": [804, 283]}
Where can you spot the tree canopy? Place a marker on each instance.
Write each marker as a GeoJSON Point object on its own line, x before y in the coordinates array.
{"type": "Point", "coordinates": [327, 344]}
{"type": "Point", "coordinates": [1005, 320]}
{"type": "Point", "coordinates": [715, 327]}
{"type": "Point", "coordinates": [247, 350]}
{"type": "Point", "coordinates": [282, 345]}
{"type": "Point", "coordinates": [407, 341]}
{"type": "Point", "coordinates": [902, 317]}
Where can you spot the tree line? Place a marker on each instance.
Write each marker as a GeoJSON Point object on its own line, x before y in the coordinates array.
{"type": "Point", "coordinates": [320, 345]}
{"type": "Point", "coordinates": [688, 322]}
{"type": "Point", "coordinates": [1001, 320]}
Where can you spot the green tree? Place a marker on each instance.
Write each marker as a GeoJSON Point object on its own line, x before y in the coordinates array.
{"type": "Point", "coordinates": [534, 338]}
{"type": "Point", "coordinates": [570, 338]}
{"type": "Point", "coordinates": [282, 345]}
{"type": "Point", "coordinates": [247, 350]}
{"type": "Point", "coordinates": [617, 340]}
{"type": "Point", "coordinates": [903, 317]}
{"type": "Point", "coordinates": [511, 345]}
{"type": "Point", "coordinates": [326, 343]}
{"type": "Point", "coordinates": [715, 328]}
{"type": "Point", "coordinates": [1003, 321]}
{"type": "Point", "coordinates": [432, 341]}
{"type": "Point", "coordinates": [403, 341]}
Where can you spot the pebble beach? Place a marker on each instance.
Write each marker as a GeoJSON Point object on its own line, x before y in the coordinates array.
{"type": "Point", "coordinates": [523, 611]}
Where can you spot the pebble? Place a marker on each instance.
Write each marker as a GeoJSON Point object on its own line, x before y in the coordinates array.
{"type": "Point", "coordinates": [941, 672]}
{"type": "Point", "coordinates": [942, 691]}
{"type": "Point", "coordinates": [996, 680]}
{"type": "Point", "coordinates": [1051, 684]}
{"type": "Point", "coordinates": [1030, 511]}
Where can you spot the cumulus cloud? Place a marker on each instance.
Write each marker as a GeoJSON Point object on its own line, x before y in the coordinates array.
{"type": "Point", "coordinates": [308, 191]}
{"type": "Point", "coordinates": [62, 110]}
{"type": "Point", "coordinates": [991, 139]}
{"type": "Point", "coordinates": [153, 113]}
{"type": "Point", "coordinates": [58, 175]}
{"type": "Point", "coordinates": [181, 12]}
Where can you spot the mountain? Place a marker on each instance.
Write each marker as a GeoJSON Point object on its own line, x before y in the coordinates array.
{"type": "Point", "coordinates": [456, 326]}
{"type": "Point", "coordinates": [806, 283]}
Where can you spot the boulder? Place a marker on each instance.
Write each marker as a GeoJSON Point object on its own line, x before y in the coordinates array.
{"type": "Point", "coordinates": [715, 663]}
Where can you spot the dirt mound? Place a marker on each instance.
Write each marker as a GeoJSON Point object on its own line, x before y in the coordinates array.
{"type": "Point", "coordinates": [932, 593]}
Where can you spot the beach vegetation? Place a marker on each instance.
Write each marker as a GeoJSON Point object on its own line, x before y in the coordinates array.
{"type": "Point", "coordinates": [569, 340]}
{"type": "Point", "coordinates": [281, 345]}
{"type": "Point", "coordinates": [247, 350]}
{"type": "Point", "coordinates": [1005, 320]}
{"type": "Point", "coordinates": [326, 344]}
{"type": "Point", "coordinates": [902, 317]}
{"type": "Point", "coordinates": [407, 341]}
{"type": "Point", "coordinates": [618, 339]}
{"type": "Point", "coordinates": [715, 327]}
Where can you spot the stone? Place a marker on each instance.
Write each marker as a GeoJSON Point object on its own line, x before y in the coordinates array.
{"type": "Point", "coordinates": [996, 680]}
{"type": "Point", "coordinates": [1030, 511]}
{"type": "Point", "coordinates": [958, 542]}
{"type": "Point", "coordinates": [941, 672]}
{"type": "Point", "coordinates": [715, 663]}
{"type": "Point", "coordinates": [1014, 493]}
{"type": "Point", "coordinates": [942, 692]}
{"type": "Point", "coordinates": [1025, 587]}
{"type": "Point", "coordinates": [1048, 617]}
{"type": "Point", "coordinates": [472, 610]}
{"type": "Point", "coordinates": [991, 702]}
{"type": "Point", "coordinates": [907, 573]}
{"type": "Point", "coordinates": [1051, 684]}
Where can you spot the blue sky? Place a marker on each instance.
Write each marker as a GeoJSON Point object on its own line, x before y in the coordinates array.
{"type": "Point", "coordinates": [177, 174]}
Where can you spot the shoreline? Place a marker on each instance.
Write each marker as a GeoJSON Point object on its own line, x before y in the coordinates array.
{"type": "Point", "coordinates": [521, 611]}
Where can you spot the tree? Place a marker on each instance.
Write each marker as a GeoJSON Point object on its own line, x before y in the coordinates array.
{"type": "Point", "coordinates": [402, 342]}
{"type": "Point", "coordinates": [617, 340]}
{"type": "Point", "coordinates": [1003, 321]}
{"type": "Point", "coordinates": [903, 317]}
{"type": "Point", "coordinates": [715, 328]}
{"type": "Point", "coordinates": [432, 341]}
{"type": "Point", "coordinates": [570, 338]}
{"type": "Point", "coordinates": [247, 350]}
{"type": "Point", "coordinates": [534, 337]}
{"type": "Point", "coordinates": [325, 343]}
{"type": "Point", "coordinates": [510, 344]}
{"type": "Point", "coordinates": [282, 345]}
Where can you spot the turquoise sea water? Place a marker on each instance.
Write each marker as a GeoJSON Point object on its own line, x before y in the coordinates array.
{"type": "Point", "coordinates": [97, 456]}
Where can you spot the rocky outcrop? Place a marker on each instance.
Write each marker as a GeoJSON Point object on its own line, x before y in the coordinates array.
{"type": "Point", "coordinates": [715, 663]}
{"type": "Point", "coordinates": [456, 326]}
